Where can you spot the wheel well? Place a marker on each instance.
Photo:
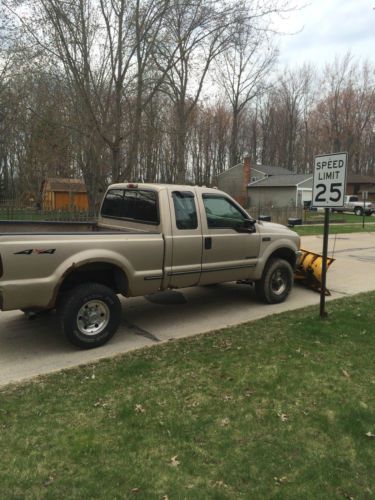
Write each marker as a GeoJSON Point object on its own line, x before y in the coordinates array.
{"type": "Point", "coordinates": [95, 272]}
{"type": "Point", "coordinates": [286, 254]}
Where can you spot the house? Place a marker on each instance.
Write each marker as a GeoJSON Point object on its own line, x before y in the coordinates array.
{"type": "Point", "coordinates": [262, 171]}
{"type": "Point", "coordinates": [262, 185]}
{"type": "Point", "coordinates": [281, 191]}
{"type": "Point", "coordinates": [357, 184]}
{"type": "Point", "coordinates": [64, 194]}
{"type": "Point", "coordinates": [233, 180]}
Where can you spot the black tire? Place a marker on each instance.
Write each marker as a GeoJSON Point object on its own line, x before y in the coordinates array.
{"type": "Point", "coordinates": [358, 211]}
{"type": "Point", "coordinates": [90, 314]}
{"type": "Point", "coordinates": [276, 282]}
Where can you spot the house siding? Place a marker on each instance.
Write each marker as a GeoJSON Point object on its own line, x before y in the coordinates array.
{"type": "Point", "coordinates": [231, 181]}
{"type": "Point", "coordinates": [272, 196]}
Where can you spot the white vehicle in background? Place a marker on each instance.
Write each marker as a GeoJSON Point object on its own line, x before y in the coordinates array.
{"type": "Point", "coordinates": [353, 203]}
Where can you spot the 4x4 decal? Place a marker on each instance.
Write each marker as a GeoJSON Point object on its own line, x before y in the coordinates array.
{"type": "Point", "coordinates": [49, 251]}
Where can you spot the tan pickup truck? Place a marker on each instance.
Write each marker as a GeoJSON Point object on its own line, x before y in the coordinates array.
{"type": "Point", "coordinates": [148, 237]}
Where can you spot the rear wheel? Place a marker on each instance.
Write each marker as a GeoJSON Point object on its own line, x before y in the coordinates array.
{"type": "Point", "coordinates": [276, 282]}
{"type": "Point", "coordinates": [358, 211]}
{"type": "Point", "coordinates": [90, 314]}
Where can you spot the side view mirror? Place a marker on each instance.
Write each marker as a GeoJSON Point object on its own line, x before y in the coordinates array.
{"type": "Point", "coordinates": [248, 223]}
{"type": "Point", "coordinates": [247, 226]}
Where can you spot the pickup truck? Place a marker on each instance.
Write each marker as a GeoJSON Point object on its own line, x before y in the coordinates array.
{"type": "Point", "coordinates": [352, 203]}
{"type": "Point", "coordinates": [148, 238]}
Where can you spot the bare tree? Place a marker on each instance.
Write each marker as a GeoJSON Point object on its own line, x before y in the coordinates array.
{"type": "Point", "coordinates": [244, 73]}
{"type": "Point", "coordinates": [199, 30]}
{"type": "Point", "coordinates": [294, 92]}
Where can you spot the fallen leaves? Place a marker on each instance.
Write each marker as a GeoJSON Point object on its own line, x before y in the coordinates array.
{"type": "Point", "coordinates": [139, 409]}
{"type": "Point", "coordinates": [49, 481]}
{"type": "Point", "coordinates": [101, 404]}
{"type": "Point", "coordinates": [282, 416]}
{"type": "Point", "coordinates": [280, 480]}
{"type": "Point", "coordinates": [370, 434]}
{"type": "Point", "coordinates": [227, 397]}
{"type": "Point", "coordinates": [220, 484]}
{"type": "Point", "coordinates": [224, 422]}
{"type": "Point", "coordinates": [174, 462]}
{"type": "Point", "coordinates": [345, 373]}
{"type": "Point", "coordinates": [249, 392]}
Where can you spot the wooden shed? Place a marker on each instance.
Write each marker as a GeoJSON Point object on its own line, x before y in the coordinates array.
{"type": "Point", "coordinates": [64, 194]}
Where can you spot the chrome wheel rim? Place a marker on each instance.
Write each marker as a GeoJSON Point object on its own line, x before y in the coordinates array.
{"type": "Point", "coordinates": [93, 317]}
{"type": "Point", "coordinates": [279, 282]}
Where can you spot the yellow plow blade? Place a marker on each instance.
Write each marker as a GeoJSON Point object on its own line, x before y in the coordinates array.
{"type": "Point", "coordinates": [309, 270]}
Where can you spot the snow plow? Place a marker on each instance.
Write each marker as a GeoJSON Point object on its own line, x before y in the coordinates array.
{"type": "Point", "coordinates": [309, 270]}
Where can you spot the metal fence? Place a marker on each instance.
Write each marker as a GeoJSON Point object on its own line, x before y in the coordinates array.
{"type": "Point", "coordinates": [15, 211]}
{"type": "Point", "coordinates": [280, 215]}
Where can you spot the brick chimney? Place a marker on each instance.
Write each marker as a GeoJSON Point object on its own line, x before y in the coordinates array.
{"type": "Point", "coordinates": [246, 178]}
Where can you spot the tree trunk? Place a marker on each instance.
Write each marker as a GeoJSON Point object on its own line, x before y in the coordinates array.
{"type": "Point", "coordinates": [233, 148]}
{"type": "Point", "coordinates": [181, 144]}
{"type": "Point", "coordinates": [116, 163]}
{"type": "Point", "coordinates": [132, 162]}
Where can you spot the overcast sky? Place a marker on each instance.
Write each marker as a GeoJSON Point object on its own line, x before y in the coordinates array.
{"type": "Point", "coordinates": [327, 28]}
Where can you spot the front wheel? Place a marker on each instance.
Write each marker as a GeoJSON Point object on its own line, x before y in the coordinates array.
{"type": "Point", "coordinates": [276, 282]}
{"type": "Point", "coordinates": [90, 314]}
{"type": "Point", "coordinates": [358, 211]}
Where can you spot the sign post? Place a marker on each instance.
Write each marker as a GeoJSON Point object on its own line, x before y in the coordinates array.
{"type": "Point", "coordinates": [329, 186]}
{"type": "Point", "coordinates": [365, 196]}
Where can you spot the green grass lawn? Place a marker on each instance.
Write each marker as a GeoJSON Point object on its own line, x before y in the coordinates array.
{"type": "Point", "coordinates": [335, 229]}
{"type": "Point", "coordinates": [278, 408]}
{"type": "Point", "coordinates": [311, 217]}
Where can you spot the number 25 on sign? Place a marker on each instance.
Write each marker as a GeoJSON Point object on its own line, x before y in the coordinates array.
{"type": "Point", "coordinates": [329, 183]}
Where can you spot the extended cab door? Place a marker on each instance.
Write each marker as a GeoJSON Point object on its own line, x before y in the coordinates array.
{"type": "Point", "coordinates": [230, 249]}
{"type": "Point", "coordinates": [186, 239]}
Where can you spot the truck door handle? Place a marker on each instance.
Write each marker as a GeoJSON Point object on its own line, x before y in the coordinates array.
{"type": "Point", "coordinates": [207, 243]}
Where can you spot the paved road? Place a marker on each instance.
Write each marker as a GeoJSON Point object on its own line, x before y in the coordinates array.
{"type": "Point", "coordinates": [29, 348]}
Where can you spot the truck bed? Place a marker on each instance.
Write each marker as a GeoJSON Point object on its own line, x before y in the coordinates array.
{"type": "Point", "coordinates": [24, 227]}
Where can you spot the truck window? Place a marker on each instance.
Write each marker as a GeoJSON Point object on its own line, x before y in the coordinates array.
{"type": "Point", "coordinates": [222, 213]}
{"type": "Point", "coordinates": [185, 210]}
{"type": "Point", "coordinates": [131, 204]}
{"type": "Point", "coordinates": [353, 198]}
{"type": "Point", "coordinates": [112, 205]}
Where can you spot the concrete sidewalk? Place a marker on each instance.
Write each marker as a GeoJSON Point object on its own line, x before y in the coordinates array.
{"type": "Point", "coordinates": [30, 348]}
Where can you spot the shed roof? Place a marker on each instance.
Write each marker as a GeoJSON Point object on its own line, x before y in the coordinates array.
{"type": "Point", "coordinates": [66, 185]}
{"type": "Point", "coordinates": [282, 180]}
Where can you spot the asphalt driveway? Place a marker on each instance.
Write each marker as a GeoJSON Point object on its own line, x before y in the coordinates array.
{"type": "Point", "coordinates": [30, 348]}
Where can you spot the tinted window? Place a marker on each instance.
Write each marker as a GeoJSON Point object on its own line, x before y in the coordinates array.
{"type": "Point", "coordinates": [221, 213]}
{"type": "Point", "coordinates": [137, 205]}
{"type": "Point", "coordinates": [112, 205]}
{"type": "Point", "coordinates": [185, 210]}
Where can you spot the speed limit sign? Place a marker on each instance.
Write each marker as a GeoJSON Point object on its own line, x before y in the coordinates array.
{"type": "Point", "coordinates": [329, 184]}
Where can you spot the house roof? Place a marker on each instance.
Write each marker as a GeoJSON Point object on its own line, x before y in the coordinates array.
{"type": "Point", "coordinates": [63, 185]}
{"type": "Point", "coordinates": [360, 179]}
{"type": "Point", "coordinates": [370, 190]}
{"type": "Point", "coordinates": [282, 180]}
{"type": "Point", "coordinates": [268, 170]}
